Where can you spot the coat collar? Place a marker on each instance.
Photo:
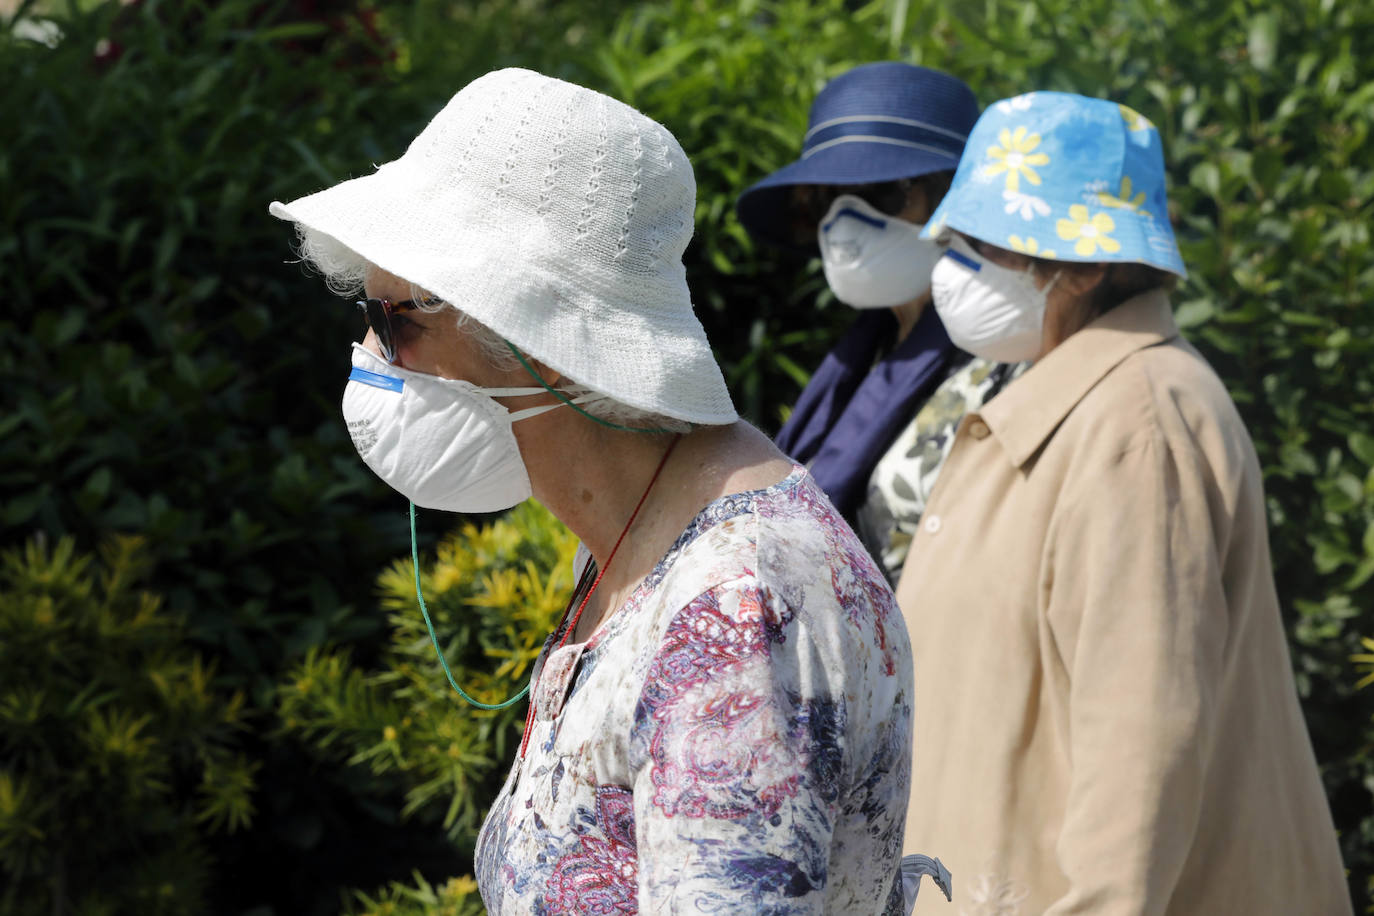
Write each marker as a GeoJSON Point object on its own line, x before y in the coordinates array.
{"type": "Point", "coordinates": [1027, 413]}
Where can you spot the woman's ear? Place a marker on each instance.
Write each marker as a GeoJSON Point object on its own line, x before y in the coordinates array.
{"type": "Point", "coordinates": [1079, 280]}
{"type": "Point", "coordinates": [920, 203]}
{"type": "Point", "coordinates": [552, 377]}
{"type": "Point", "coordinates": [924, 195]}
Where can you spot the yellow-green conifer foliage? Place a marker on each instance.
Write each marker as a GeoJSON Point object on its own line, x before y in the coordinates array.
{"type": "Point", "coordinates": [494, 593]}
{"type": "Point", "coordinates": [454, 897]}
{"type": "Point", "coordinates": [113, 756]}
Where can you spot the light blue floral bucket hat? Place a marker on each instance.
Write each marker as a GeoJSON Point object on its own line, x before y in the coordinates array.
{"type": "Point", "coordinates": [1063, 177]}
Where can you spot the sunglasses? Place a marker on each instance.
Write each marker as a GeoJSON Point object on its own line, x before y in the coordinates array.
{"type": "Point", "coordinates": [810, 203]}
{"type": "Point", "coordinates": [377, 313]}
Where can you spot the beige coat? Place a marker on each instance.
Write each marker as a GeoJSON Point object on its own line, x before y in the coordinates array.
{"type": "Point", "coordinates": [1106, 720]}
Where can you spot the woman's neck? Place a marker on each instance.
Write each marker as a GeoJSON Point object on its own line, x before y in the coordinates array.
{"type": "Point", "coordinates": [907, 314]}
{"type": "Point", "coordinates": [593, 483]}
{"type": "Point", "coordinates": [1064, 317]}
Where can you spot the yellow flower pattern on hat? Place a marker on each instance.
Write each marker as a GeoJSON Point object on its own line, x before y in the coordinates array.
{"type": "Point", "coordinates": [1050, 166]}
{"type": "Point", "coordinates": [1124, 200]}
{"type": "Point", "coordinates": [1134, 119]}
{"type": "Point", "coordinates": [1029, 246]}
{"type": "Point", "coordinates": [1015, 157]}
{"type": "Point", "coordinates": [1091, 232]}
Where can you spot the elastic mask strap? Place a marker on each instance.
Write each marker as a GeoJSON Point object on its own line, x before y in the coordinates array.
{"type": "Point", "coordinates": [517, 415]}
{"type": "Point", "coordinates": [415, 562]}
{"type": "Point", "coordinates": [959, 257]}
{"type": "Point", "coordinates": [853, 214]}
{"type": "Point", "coordinates": [1050, 285]}
{"type": "Point", "coordinates": [571, 402]}
{"type": "Point", "coordinates": [510, 392]}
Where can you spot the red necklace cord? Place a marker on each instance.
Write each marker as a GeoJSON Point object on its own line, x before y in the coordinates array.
{"type": "Point", "coordinates": [572, 625]}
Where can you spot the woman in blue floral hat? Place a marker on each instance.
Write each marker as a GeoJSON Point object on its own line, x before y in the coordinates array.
{"type": "Point", "coordinates": [876, 420]}
{"type": "Point", "coordinates": [1105, 709]}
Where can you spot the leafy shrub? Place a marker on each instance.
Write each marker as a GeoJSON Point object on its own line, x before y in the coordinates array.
{"type": "Point", "coordinates": [493, 594]}
{"type": "Point", "coordinates": [115, 745]}
{"type": "Point", "coordinates": [166, 374]}
{"type": "Point", "coordinates": [454, 897]}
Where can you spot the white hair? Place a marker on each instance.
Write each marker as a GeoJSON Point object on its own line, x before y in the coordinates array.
{"type": "Point", "coordinates": [345, 272]}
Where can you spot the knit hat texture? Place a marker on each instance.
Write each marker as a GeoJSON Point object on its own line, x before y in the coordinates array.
{"type": "Point", "coordinates": [556, 216]}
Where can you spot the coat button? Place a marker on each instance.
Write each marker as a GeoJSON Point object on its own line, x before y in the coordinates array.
{"type": "Point", "coordinates": [978, 429]}
{"type": "Point", "coordinates": [932, 524]}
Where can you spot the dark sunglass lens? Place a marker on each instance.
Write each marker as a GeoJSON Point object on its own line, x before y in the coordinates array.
{"type": "Point", "coordinates": [811, 204]}
{"type": "Point", "coordinates": [377, 318]}
{"type": "Point", "coordinates": [888, 197]}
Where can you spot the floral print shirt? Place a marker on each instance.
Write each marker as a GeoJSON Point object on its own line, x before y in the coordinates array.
{"type": "Point", "coordinates": [735, 738]}
{"type": "Point", "coordinates": [904, 477]}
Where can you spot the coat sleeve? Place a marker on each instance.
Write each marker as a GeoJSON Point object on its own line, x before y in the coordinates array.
{"type": "Point", "coordinates": [1137, 613]}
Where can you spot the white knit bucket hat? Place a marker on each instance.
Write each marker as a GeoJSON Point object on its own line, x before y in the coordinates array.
{"type": "Point", "coordinates": [556, 216]}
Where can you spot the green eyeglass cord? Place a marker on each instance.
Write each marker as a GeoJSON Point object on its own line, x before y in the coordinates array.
{"type": "Point", "coordinates": [415, 562]}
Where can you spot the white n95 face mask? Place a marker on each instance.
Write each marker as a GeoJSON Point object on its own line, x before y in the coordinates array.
{"type": "Point", "coordinates": [987, 309]}
{"type": "Point", "coordinates": [873, 260]}
{"type": "Point", "coordinates": [441, 443]}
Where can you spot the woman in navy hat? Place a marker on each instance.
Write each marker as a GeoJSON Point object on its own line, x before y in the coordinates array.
{"type": "Point", "coordinates": [878, 416]}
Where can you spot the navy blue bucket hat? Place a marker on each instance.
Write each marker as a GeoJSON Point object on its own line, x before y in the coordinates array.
{"type": "Point", "coordinates": [875, 123]}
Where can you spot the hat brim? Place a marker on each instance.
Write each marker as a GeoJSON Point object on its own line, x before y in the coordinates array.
{"type": "Point", "coordinates": [541, 311]}
{"type": "Point", "coordinates": [352, 212]}
{"type": "Point", "coordinates": [1139, 238]}
{"type": "Point", "coordinates": [763, 208]}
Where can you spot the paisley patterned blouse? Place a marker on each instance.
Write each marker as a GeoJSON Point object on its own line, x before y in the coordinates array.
{"type": "Point", "coordinates": [735, 738]}
{"type": "Point", "coordinates": [903, 478]}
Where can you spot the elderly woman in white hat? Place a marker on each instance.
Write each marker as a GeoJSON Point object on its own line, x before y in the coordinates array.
{"type": "Point", "coordinates": [722, 719]}
{"type": "Point", "coordinates": [1101, 651]}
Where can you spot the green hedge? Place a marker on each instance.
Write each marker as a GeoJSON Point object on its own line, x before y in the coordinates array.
{"type": "Point", "coordinates": [166, 373]}
{"type": "Point", "coordinates": [115, 742]}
